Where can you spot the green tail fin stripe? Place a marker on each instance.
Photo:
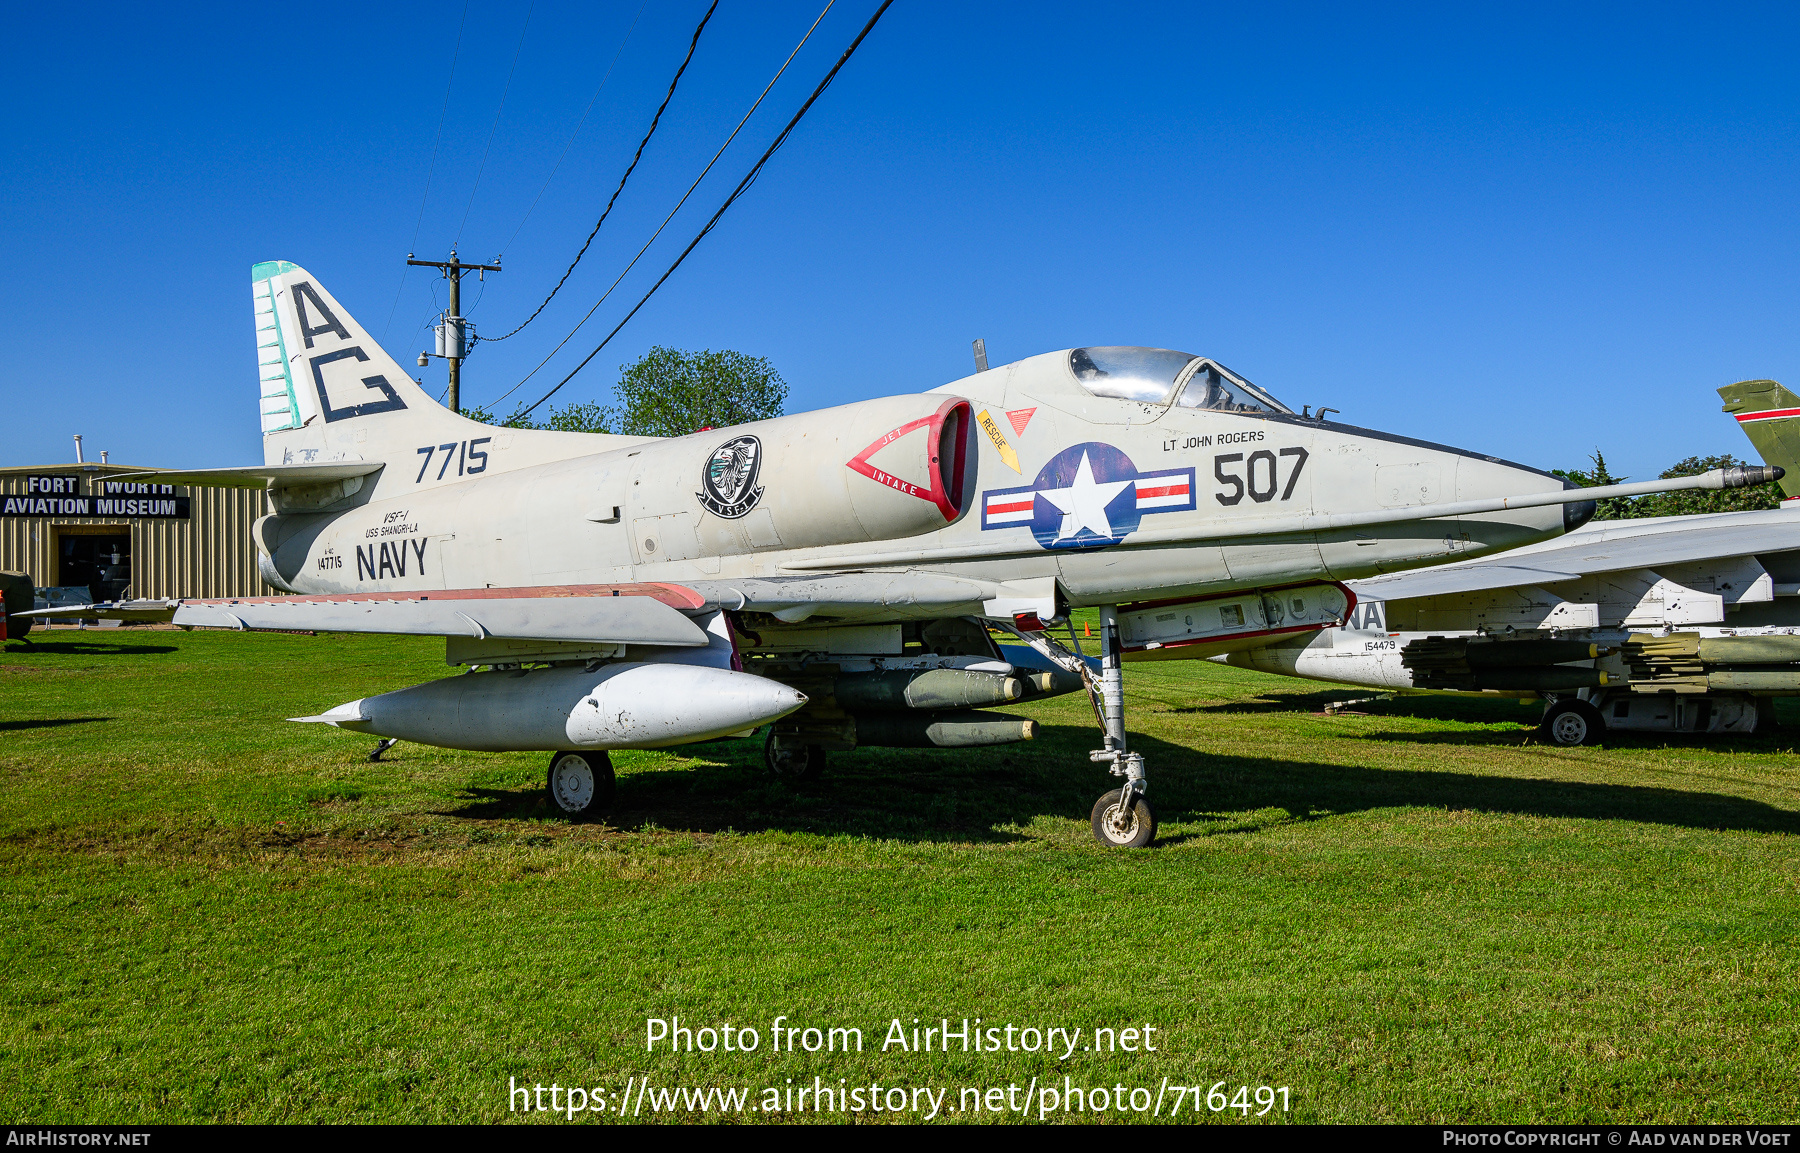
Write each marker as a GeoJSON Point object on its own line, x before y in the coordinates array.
{"type": "Point", "coordinates": [269, 268]}
{"type": "Point", "coordinates": [280, 407]}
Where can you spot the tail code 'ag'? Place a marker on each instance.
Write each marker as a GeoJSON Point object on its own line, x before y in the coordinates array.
{"type": "Point", "coordinates": [315, 362]}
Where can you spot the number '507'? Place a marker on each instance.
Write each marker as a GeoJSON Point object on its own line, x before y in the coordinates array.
{"type": "Point", "coordinates": [1259, 476]}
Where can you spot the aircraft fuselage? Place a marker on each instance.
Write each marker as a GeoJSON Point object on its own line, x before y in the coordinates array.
{"type": "Point", "coordinates": [1009, 477]}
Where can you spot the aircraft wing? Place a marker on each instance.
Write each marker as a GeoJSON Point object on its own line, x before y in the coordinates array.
{"type": "Point", "coordinates": [845, 596]}
{"type": "Point", "coordinates": [130, 612]}
{"type": "Point", "coordinates": [640, 614]}
{"type": "Point", "coordinates": [260, 475]}
{"type": "Point", "coordinates": [1605, 546]}
{"type": "Point", "coordinates": [648, 615]}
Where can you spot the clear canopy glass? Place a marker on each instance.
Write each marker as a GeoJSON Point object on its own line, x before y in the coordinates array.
{"type": "Point", "coordinates": [1152, 375]}
{"type": "Point", "coordinates": [1129, 373]}
{"type": "Point", "coordinates": [1217, 388]}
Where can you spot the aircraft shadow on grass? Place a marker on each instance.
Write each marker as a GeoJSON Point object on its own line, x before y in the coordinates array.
{"type": "Point", "coordinates": [1431, 707]}
{"type": "Point", "coordinates": [51, 723]}
{"type": "Point", "coordinates": [84, 649]}
{"type": "Point", "coordinates": [987, 794]}
{"type": "Point", "coordinates": [1479, 710]}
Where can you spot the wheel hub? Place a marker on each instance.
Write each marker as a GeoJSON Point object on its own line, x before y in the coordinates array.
{"type": "Point", "coordinates": [574, 784]}
{"type": "Point", "coordinates": [1122, 821]}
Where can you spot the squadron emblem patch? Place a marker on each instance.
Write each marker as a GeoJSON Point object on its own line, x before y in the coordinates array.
{"type": "Point", "coordinates": [728, 481]}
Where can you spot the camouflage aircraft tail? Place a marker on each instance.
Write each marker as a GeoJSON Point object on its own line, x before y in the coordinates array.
{"type": "Point", "coordinates": [1770, 416]}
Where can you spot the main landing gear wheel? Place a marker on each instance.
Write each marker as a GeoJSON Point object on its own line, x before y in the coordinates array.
{"type": "Point", "coordinates": [1570, 723]}
{"type": "Point", "coordinates": [789, 761]}
{"type": "Point", "coordinates": [1122, 825]}
{"type": "Point", "coordinates": [581, 784]}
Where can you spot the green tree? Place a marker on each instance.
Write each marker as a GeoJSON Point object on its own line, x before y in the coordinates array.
{"type": "Point", "coordinates": [588, 416]}
{"type": "Point", "coordinates": [669, 392]}
{"type": "Point", "coordinates": [1684, 503]}
{"type": "Point", "coordinates": [1615, 508]}
{"type": "Point", "coordinates": [516, 420]}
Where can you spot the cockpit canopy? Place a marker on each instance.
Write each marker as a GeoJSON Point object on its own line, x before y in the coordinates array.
{"type": "Point", "coordinates": [1164, 376]}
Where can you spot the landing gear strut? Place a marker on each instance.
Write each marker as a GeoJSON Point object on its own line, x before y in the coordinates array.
{"type": "Point", "coordinates": [1122, 818]}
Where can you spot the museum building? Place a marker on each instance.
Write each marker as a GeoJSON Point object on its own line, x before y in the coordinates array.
{"type": "Point", "coordinates": [71, 527]}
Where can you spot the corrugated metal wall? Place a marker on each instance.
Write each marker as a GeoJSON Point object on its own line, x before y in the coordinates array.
{"type": "Point", "coordinates": [208, 555]}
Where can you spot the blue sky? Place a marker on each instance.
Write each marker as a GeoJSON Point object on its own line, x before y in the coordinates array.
{"type": "Point", "coordinates": [1525, 230]}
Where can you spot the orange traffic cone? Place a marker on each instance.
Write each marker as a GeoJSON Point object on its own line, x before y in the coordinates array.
{"type": "Point", "coordinates": [1085, 630]}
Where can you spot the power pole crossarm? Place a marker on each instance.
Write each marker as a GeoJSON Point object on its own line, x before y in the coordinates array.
{"type": "Point", "coordinates": [452, 263]}
{"type": "Point", "coordinates": [454, 348]}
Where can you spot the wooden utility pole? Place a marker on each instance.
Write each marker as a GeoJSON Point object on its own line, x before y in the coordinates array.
{"type": "Point", "coordinates": [455, 345]}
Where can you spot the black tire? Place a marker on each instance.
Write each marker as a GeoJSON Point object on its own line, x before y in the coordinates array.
{"type": "Point", "coordinates": [791, 762]}
{"type": "Point", "coordinates": [1130, 830]}
{"type": "Point", "coordinates": [580, 785]}
{"type": "Point", "coordinates": [1571, 723]}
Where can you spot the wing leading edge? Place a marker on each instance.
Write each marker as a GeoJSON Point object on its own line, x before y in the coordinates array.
{"type": "Point", "coordinates": [1609, 546]}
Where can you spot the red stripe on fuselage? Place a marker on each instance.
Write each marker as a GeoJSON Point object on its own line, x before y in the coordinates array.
{"type": "Point", "coordinates": [673, 595]}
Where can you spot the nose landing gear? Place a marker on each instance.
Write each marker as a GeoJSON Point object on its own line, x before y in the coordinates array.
{"type": "Point", "coordinates": [1121, 818]}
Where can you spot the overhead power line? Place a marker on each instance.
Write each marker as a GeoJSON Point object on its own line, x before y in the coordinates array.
{"type": "Point", "coordinates": [684, 199]}
{"type": "Point", "coordinates": [743, 186]}
{"type": "Point", "coordinates": [654, 120]}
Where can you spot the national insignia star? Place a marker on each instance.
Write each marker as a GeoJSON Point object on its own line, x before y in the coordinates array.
{"type": "Point", "coordinates": [1083, 503]}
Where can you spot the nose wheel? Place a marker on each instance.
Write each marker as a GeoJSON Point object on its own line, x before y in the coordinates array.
{"type": "Point", "coordinates": [1122, 820]}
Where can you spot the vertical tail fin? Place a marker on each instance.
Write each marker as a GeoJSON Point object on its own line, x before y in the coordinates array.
{"type": "Point", "coordinates": [328, 392]}
{"type": "Point", "coordinates": [1770, 416]}
{"type": "Point", "coordinates": [321, 375]}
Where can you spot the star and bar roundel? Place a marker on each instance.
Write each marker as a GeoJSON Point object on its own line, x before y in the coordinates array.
{"type": "Point", "coordinates": [1089, 495]}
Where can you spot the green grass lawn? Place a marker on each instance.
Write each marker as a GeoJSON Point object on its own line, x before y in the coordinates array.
{"type": "Point", "coordinates": [1418, 914]}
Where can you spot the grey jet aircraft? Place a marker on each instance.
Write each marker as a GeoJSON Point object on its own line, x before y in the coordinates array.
{"type": "Point", "coordinates": [833, 575]}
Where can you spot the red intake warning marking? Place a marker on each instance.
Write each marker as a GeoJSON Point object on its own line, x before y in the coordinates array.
{"type": "Point", "coordinates": [1020, 417]}
{"type": "Point", "coordinates": [932, 493]}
